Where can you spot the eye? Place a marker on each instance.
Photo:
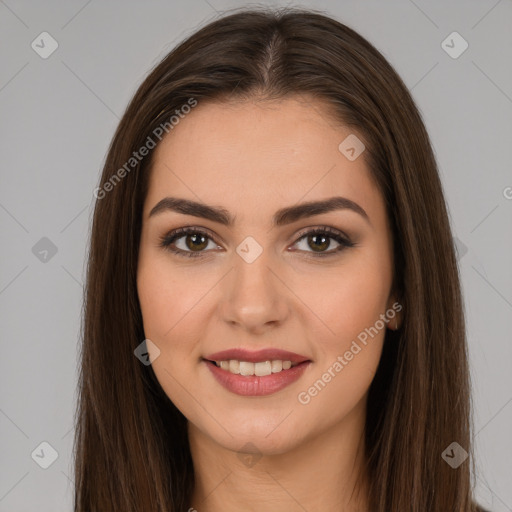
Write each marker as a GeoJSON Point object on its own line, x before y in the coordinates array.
{"type": "Point", "coordinates": [320, 239]}
{"type": "Point", "coordinates": [195, 241]}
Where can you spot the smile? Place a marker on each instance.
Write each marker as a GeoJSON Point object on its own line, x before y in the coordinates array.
{"type": "Point", "coordinates": [260, 369]}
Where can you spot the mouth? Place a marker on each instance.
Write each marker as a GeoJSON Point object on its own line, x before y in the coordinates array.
{"type": "Point", "coordinates": [256, 378]}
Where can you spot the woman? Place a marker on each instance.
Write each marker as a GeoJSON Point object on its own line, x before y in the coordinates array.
{"type": "Point", "coordinates": [273, 315]}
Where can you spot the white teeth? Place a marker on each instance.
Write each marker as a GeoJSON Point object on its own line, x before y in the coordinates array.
{"type": "Point", "coordinates": [234, 366]}
{"type": "Point", "coordinates": [260, 369]}
{"type": "Point", "coordinates": [277, 366]}
{"type": "Point", "coordinates": [246, 368]}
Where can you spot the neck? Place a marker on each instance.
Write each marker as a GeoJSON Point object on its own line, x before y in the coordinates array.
{"type": "Point", "coordinates": [324, 473]}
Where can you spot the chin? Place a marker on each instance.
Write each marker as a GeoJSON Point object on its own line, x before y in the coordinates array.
{"type": "Point", "coordinates": [260, 444]}
{"type": "Point", "coordinates": [264, 436]}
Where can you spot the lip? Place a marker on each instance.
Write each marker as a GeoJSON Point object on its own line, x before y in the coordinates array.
{"type": "Point", "coordinates": [253, 385]}
{"type": "Point", "coordinates": [251, 356]}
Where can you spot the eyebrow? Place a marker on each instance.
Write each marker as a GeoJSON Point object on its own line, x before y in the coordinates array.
{"type": "Point", "coordinates": [282, 217]}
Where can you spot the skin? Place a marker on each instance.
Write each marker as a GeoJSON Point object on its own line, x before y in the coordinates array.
{"type": "Point", "coordinates": [253, 158]}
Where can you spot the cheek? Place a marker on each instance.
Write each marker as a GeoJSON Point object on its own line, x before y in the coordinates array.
{"type": "Point", "coordinates": [348, 300]}
{"type": "Point", "coordinates": [173, 311]}
{"type": "Point", "coordinates": [167, 306]}
{"type": "Point", "coordinates": [168, 299]}
{"type": "Point", "coordinates": [348, 359]}
{"type": "Point", "coordinates": [350, 351]}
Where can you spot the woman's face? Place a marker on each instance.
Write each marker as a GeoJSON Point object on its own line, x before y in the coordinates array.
{"type": "Point", "coordinates": [262, 286]}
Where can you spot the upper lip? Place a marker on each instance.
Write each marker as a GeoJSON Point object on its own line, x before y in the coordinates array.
{"type": "Point", "coordinates": [255, 356]}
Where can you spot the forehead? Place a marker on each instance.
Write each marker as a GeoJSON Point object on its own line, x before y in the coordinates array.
{"type": "Point", "coordinates": [247, 155]}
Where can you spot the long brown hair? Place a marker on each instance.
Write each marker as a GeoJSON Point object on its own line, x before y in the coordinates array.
{"type": "Point", "coordinates": [131, 444]}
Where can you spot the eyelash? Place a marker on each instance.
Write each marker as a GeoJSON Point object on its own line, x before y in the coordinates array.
{"type": "Point", "coordinates": [168, 239]}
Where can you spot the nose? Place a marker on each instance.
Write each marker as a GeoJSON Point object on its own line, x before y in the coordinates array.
{"type": "Point", "coordinates": [255, 298]}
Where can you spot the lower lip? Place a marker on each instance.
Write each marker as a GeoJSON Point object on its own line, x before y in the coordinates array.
{"type": "Point", "coordinates": [257, 386]}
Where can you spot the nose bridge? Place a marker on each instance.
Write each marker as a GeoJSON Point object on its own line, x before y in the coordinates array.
{"type": "Point", "coordinates": [254, 296]}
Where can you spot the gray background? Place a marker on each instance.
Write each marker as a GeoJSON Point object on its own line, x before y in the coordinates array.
{"type": "Point", "coordinates": [58, 116]}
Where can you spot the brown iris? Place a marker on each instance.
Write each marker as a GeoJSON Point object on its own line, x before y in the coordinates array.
{"type": "Point", "coordinates": [324, 243]}
{"type": "Point", "coordinates": [198, 241]}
